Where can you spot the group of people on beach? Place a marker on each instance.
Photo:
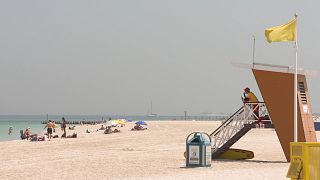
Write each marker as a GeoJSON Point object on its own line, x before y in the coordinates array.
{"type": "Point", "coordinates": [248, 97]}
{"type": "Point", "coordinates": [51, 129]}
{"type": "Point", "coordinates": [50, 126]}
{"type": "Point", "coordinates": [26, 134]}
{"type": "Point", "coordinates": [106, 130]}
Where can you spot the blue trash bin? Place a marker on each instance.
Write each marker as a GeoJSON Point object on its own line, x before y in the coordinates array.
{"type": "Point", "coordinates": [198, 150]}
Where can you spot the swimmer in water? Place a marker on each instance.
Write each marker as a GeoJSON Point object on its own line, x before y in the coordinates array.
{"type": "Point", "coordinates": [10, 130]}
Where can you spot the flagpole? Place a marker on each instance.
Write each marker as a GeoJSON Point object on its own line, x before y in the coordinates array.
{"type": "Point", "coordinates": [253, 49]}
{"type": "Point", "coordinates": [295, 95]}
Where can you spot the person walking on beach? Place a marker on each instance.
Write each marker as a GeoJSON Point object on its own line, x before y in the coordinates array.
{"type": "Point", "coordinates": [63, 127]}
{"type": "Point", "coordinates": [49, 127]}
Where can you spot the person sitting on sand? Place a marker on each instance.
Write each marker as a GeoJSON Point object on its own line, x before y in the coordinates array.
{"type": "Point", "coordinates": [108, 130]}
{"type": "Point", "coordinates": [27, 133]}
{"type": "Point", "coordinates": [102, 127]}
{"type": "Point", "coordinates": [138, 127]}
{"type": "Point", "coordinates": [87, 131]}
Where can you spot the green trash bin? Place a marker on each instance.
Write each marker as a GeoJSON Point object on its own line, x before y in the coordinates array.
{"type": "Point", "coordinates": [198, 150]}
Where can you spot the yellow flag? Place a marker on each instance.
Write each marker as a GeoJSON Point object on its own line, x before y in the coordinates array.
{"type": "Point", "coordinates": [286, 32]}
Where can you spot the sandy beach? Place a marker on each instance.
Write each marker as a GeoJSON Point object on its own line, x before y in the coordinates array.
{"type": "Point", "coordinates": [156, 153]}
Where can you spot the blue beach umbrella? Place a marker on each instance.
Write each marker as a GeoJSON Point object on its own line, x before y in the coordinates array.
{"type": "Point", "coordinates": [141, 123]}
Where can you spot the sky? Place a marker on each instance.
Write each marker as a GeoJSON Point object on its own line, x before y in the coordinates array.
{"type": "Point", "coordinates": [116, 56]}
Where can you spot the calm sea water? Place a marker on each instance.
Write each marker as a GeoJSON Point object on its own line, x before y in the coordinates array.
{"type": "Point", "coordinates": [21, 122]}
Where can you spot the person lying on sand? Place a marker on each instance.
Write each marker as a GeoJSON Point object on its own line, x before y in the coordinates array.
{"type": "Point", "coordinates": [33, 136]}
{"type": "Point", "coordinates": [55, 136]}
{"type": "Point", "coordinates": [74, 135]}
{"type": "Point", "coordinates": [116, 131]}
{"type": "Point", "coordinates": [138, 127]}
{"type": "Point", "coordinates": [72, 128]}
{"type": "Point", "coordinates": [88, 131]}
{"type": "Point", "coordinates": [36, 137]}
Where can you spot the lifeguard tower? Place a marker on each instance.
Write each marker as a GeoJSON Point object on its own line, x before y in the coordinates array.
{"type": "Point", "coordinates": [276, 86]}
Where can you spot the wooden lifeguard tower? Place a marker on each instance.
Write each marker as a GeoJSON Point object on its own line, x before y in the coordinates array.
{"type": "Point", "coordinates": [276, 86]}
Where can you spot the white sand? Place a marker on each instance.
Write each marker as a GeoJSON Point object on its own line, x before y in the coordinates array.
{"type": "Point", "coordinates": [153, 154]}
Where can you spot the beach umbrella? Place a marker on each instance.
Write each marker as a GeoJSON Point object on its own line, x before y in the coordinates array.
{"type": "Point", "coordinates": [112, 123]}
{"type": "Point", "coordinates": [120, 122]}
{"type": "Point", "coordinates": [141, 123]}
{"type": "Point", "coordinates": [123, 120]}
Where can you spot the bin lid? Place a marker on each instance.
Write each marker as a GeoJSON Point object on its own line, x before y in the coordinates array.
{"type": "Point", "coordinates": [199, 138]}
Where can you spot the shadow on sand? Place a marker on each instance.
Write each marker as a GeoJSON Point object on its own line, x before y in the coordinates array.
{"type": "Point", "coordinates": [244, 161]}
{"type": "Point", "coordinates": [250, 161]}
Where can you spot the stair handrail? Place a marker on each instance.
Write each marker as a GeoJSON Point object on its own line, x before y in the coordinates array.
{"type": "Point", "coordinates": [228, 129]}
{"type": "Point", "coordinates": [261, 109]}
{"type": "Point", "coordinates": [226, 121]}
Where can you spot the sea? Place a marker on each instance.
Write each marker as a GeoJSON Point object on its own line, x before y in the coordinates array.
{"type": "Point", "coordinates": [34, 122]}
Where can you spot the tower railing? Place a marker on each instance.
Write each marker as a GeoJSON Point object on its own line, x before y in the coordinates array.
{"type": "Point", "coordinates": [248, 114]}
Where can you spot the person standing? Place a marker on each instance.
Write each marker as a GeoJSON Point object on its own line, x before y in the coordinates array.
{"type": "Point", "coordinates": [54, 126]}
{"type": "Point", "coordinates": [49, 127]}
{"type": "Point", "coordinates": [63, 127]}
{"type": "Point", "coordinates": [10, 130]}
{"type": "Point", "coordinates": [250, 97]}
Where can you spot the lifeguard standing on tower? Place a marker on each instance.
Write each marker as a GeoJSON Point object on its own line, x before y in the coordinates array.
{"type": "Point", "coordinates": [250, 97]}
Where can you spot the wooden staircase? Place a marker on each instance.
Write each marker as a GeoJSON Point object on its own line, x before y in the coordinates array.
{"type": "Point", "coordinates": [246, 128]}
{"type": "Point", "coordinates": [236, 126]}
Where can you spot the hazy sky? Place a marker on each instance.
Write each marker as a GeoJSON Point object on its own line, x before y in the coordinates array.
{"type": "Point", "coordinates": [116, 56]}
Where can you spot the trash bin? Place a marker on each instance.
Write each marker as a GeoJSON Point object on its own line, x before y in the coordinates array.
{"type": "Point", "coordinates": [198, 150]}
